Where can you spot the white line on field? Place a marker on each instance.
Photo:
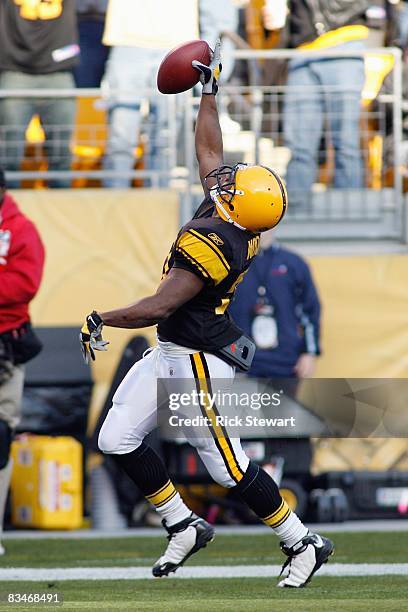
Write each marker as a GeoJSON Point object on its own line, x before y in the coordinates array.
{"type": "Point", "coordinates": [213, 571]}
{"type": "Point", "coordinates": [348, 526]}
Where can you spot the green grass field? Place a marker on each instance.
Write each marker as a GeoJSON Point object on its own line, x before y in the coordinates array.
{"type": "Point", "coordinates": [232, 594]}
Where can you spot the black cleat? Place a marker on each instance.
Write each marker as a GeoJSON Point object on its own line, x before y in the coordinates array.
{"type": "Point", "coordinates": [185, 539]}
{"type": "Point", "coordinates": [304, 559]}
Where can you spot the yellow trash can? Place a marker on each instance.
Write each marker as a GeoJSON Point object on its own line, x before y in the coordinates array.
{"type": "Point", "coordinates": [46, 482]}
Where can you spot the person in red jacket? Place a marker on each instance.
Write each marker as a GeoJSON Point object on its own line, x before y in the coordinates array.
{"type": "Point", "coordinates": [21, 268]}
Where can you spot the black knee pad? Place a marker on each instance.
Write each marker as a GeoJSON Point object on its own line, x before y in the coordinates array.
{"type": "Point", "coordinates": [5, 443]}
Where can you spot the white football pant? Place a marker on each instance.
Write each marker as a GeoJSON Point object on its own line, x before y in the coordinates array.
{"type": "Point", "coordinates": [134, 411]}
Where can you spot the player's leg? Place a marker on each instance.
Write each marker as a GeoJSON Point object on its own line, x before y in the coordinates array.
{"type": "Point", "coordinates": [58, 118]}
{"type": "Point", "coordinates": [156, 154]}
{"type": "Point", "coordinates": [187, 533]}
{"type": "Point", "coordinates": [15, 115]}
{"type": "Point", "coordinates": [11, 393]}
{"type": "Point", "coordinates": [124, 83]}
{"type": "Point", "coordinates": [132, 416]}
{"type": "Point", "coordinates": [343, 79]}
{"type": "Point", "coordinates": [304, 99]}
{"type": "Point", "coordinates": [229, 466]}
{"type": "Point", "coordinates": [5, 471]}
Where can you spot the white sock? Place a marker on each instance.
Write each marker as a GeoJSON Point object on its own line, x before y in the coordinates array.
{"type": "Point", "coordinates": [174, 511]}
{"type": "Point", "coordinates": [5, 475]}
{"type": "Point", "coordinates": [291, 531]}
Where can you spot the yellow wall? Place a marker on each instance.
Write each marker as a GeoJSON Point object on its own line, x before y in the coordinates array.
{"type": "Point", "coordinates": [106, 248]}
{"type": "Point", "coordinates": [365, 335]}
{"type": "Point", "coordinates": [365, 315]}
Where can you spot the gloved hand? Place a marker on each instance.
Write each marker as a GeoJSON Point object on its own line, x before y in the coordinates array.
{"type": "Point", "coordinates": [210, 74]}
{"type": "Point", "coordinates": [90, 337]}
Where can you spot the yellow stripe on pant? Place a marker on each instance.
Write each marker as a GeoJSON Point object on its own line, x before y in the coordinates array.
{"type": "Point", "coordinates": [163, 495]}
{"type": "Point", "coordinates": [279, 516]}
{"type": "Point", "coordinates": [220, 436]}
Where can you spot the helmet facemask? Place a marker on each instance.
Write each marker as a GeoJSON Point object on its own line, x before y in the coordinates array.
{"type": "Point", "coordinates": [252, 197]}
{"type": "Point", "coordinates": [225, 190]}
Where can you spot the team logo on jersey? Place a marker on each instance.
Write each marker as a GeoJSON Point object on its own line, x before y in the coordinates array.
{"type": "Point", "coordinates": [215, 239]}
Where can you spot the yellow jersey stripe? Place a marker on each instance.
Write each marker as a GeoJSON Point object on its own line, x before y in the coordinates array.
{"type": "Point", "coordinates": [212, 245]}
{"type": "Point", "coordinates": [220, 438]}
{"type": "Point", "coordinates": [203, 256]}
{"type": "Point", "coordinates": [337, 37]}
{"type": "Point", "coordinates": [163, 495]}
{"type": "Point", "coordinates": [194, 262]}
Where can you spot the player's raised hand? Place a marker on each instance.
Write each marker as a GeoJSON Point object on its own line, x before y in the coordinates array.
{"type": "Point", "coordinates": [90, 337]}
{"type": "Point", "coordinates": [210, 74]}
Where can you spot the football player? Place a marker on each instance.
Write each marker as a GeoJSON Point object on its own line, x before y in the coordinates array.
{"type": "Point", "coordinates": [197, 340]}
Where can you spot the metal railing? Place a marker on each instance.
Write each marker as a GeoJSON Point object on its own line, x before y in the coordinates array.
{"type": "Point", "coordinates": [374, 208]}
{"type": "Point", "coordinates": [63, 153]}
{"type": "Point", "coordinates": [255, 119]}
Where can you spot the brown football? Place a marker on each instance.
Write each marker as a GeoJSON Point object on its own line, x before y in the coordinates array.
{"type": "Point", "coordinates": [176, 73]}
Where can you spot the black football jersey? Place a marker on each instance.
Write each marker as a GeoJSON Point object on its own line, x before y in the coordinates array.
{"type": "Point", "coordinates": [220, 254]}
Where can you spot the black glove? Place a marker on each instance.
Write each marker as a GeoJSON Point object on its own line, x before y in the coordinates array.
{"type": "Point", "coordinates": [90, 337]}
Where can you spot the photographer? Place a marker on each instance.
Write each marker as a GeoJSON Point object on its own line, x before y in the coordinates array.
{"type": "Point", "coordinates": [21, 267]}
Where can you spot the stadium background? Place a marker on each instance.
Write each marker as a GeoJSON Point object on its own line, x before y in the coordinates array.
{"type": "Point", "coordinates": [108, 237]}
{"type": "Point", "coordinates": [106, 247]}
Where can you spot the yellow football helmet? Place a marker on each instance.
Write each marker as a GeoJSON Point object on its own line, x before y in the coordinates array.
{"type": "Point", "coordinates": [253, 198]}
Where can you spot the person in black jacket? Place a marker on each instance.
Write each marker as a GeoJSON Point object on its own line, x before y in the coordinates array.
{"type": "Point", "coordinates": [323, 89]}
{"type": "Point", "coordinates": [39, 48]}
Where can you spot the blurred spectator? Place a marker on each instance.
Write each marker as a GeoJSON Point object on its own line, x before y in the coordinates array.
{"type": "Point", "coordinates": [403, 24]}
{"type": "Point", "coordinates": [91, 22]}
{"type": "Point", "coordinates": [322, 89]}
{"type": "Point", "coordinates": [278, 306]}
{"type": "Point", "coordinates": [215, 19]}
{"type": "Point", "coordinates": [39, 49]}
{"type": "Point", "coordinates": [382, 21]}
{"type": "Point", "coordinates": [21, 267]}
{"type": "Point", "coordinates": [140, 34]}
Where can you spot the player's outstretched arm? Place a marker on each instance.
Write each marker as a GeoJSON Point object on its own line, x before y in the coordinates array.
{"type": "Point", "coordinates": [178, 287]}
{"type": "Point", "coordinates": [208, 140]}
{"type": "Point", "coordinates": [208, 137]}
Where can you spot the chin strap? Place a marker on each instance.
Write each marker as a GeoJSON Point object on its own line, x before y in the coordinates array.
{"type": "Point", "coordinates": [216, 199]}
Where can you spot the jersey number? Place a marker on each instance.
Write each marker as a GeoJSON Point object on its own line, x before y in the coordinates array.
{"type": "Point", "coordinates": [166, 267]}
{"type": "Point", "coordinates": [230, 294]}
{"type": "Point", "coordinates": [39, 9]}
